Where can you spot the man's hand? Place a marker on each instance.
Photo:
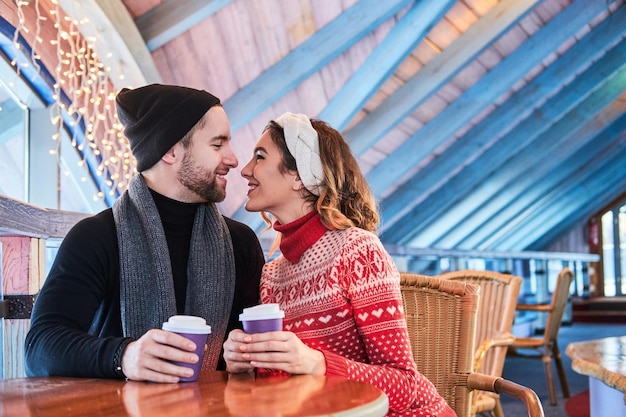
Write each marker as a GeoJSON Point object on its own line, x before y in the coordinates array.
{"type": "Point", "coordinates": [149, 358]}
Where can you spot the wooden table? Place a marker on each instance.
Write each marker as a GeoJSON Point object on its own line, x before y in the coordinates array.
{"type": "Point", "coordinates": [214, 394]}
{"type": "Point", "coordinates": [604, 361]}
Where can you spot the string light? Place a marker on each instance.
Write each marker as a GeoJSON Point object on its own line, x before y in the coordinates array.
{"type": "Point", "coordinates": [83, 94]}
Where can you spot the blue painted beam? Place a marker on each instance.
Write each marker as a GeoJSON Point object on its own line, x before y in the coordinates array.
{"type": "Point", "coordinates": [483, 93]}
{"type": "Point", "coordinates": [502, 119]}
{"type": "Point", "coordinates": [583, 214]}
{"type": "Point", "coordinates": [435, 74]}
{"type": "Point", "coordinates": [543, 134]}
{"type": "Point", "coordinates": [571, 158]}
{"type": "Point", "coordinates": [546, 124]}
{"type": "Point", "coordinates": [169, 19]}
{"type": "Point", "coordinates": [616, 186]}
{"type": "Point", "coordinates": [579, 217]}
{"type": "Point", "coordinates": [521, 194]}
{"type": "Point", "coordinates": [605, 178]}
{"type": "Point", "coordinates": [383, 61]}
{"type": "Point", "coordinates": [311, 55]}
{"type": "Point", "coordinates": [526, 165]}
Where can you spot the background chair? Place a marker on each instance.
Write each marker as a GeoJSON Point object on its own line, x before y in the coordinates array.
{"type": "Point", "coordinates": [546, 347]}
{"type": "Point", "coordinates": [441, 320]}
{"type": "Point", "coordinates": [496, 312]}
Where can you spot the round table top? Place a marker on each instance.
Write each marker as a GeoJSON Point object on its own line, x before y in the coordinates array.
{"type": "Point", "coordinates": [603, 359]}
{"type": "Point", "coordinates": [214, 394]}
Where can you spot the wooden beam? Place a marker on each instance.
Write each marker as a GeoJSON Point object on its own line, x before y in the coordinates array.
{"type": "Point", "coordinates": [118, 41]}
{"type": "Point", "coordinates": [169, 19]}
{"type": "Point", "coordinates": [542, 134]}
{"type": "Point", "coordinates": [501, 120]}
{"type": "Point", "coordinates": [435, 74]}
{"type": "Point", "coordinates": [384, 60]}
{"type": "Point", "coordinates": [525, 195]}
{"type": "Point", "coordinates": [481, 95]}
{"type": "Point", "coordinates": [23, 271]}
{"type": "Point", "coordinates": [549, 126]}
{"type": "Point", "coordinates": [311, 55]}
{"type": "Point", "coordinates": [585, 193]}
{"type": "Point", "coordinates": [616, 186]}
{"type": "Point", "coordinates": [21, 219]}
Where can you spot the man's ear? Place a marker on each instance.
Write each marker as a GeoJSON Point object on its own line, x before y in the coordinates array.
{"type": "Point", "coordinates": [173, 154]}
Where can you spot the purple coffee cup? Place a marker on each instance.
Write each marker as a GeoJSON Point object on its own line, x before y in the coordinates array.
{"type": "Point", "coordinates": [262, 318]}
{"type": "Point", "coordinates": [195, 329]}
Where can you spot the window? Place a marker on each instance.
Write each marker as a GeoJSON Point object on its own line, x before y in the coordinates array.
{"type": "Point", "coordinates": [13, 122]}
{"type": "Point", "coordinates": [33, 167]}
{"type": "Point", "coordinates": [614, 251]}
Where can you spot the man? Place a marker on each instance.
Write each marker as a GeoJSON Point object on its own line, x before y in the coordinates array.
{"type": "Point", "coordinates": [162, 249]}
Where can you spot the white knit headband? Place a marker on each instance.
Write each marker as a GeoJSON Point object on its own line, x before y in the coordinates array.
{"type": "Point", "coordinates": [303, 143]}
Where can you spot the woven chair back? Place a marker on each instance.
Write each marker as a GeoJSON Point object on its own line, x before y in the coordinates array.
{"type": "Point", "coordinates": [496, 313]}
{"type": "Point", "coordinates": [441, 320]}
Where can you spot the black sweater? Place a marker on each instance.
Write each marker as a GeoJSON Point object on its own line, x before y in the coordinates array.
{"type": "Point", "coordinates": [76, 327]}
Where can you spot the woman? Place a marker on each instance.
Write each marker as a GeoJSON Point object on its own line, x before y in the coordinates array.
{"type": "Point", "coordinates": [337, 285]}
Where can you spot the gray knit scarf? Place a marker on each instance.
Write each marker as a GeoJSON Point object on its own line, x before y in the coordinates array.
{"type": "Point", "coordinates": [147, 296]}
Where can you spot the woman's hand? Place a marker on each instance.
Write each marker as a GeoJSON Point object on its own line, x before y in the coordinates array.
{"type": "Point", "coordinates": [234, 347]}
{"type": "Point", "coordinates": [272, 350]}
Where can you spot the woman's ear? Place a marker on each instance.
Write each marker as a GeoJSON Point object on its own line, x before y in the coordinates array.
{"type": "Point", "coordinates": [297, 183]}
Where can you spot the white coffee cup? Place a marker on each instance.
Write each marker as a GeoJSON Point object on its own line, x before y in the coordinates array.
{"type": "Point", "coordinates": [195, 329]}
{"type": "Point", "coordinates": [262, 318]}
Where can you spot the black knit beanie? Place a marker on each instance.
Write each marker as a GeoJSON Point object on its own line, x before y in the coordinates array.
{"type": "Point", "coordinates": [157, 116]}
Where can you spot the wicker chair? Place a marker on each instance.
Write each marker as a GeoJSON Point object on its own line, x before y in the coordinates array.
{"type": "Point", "coordinates": [441, 320]}
{"type": "Point", "coordinates": [546, 347]}
{"type": "Point", "coordinates": [496, 311]}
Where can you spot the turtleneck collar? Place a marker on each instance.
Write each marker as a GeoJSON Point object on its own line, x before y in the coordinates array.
{"type": "Point", "coordinates": [177, 217]}
{"type": "Point", "coordinates": [299, 235]}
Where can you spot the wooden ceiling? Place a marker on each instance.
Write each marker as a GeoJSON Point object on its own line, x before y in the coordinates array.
{"type": "Point", "coordinates": [480, 124]}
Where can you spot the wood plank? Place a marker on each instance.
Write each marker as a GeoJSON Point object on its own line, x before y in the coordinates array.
{"type": "Point", "coordinates": [14, 332]}
{"type": "Point", "coordinates": [22, 219]}
{"type": "Point", "coordinates": [16, 253]}
{"type": "Point", "coordinates": [510, 158]}
{"type": "Point", "coordinates": [311, 55]}
{"type": "Point", "coordinates": [481, 95]}
{"type": "Point", "coordinates": [579, 197]}
{"type": "Point", "coordinates": [434, 75]}
{"type": "Point", "coordinates": [500, 121]}
{"type": "Point", "coordinates": [550, 123]}
{"type": "Point", "coordinates": [20, 264]}
{"type": "Point", "coordinates": [408, 32]}
{"type": "Point", "coordinates": [36, 265]}
{"type": "Point", "coordinates": [506, 220]}
{"type": "Point", "coordinates": [169, 19]}
{"type": "Point", "coordinates": [23, 267]}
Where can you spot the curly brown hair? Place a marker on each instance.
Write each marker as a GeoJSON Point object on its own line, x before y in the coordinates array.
{"type": "Point", "coordinates": [346, 199]}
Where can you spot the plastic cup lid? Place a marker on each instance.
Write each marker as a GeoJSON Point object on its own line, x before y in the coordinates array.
{"type": "Point", "coordinates": [262, 312]}
{"type": "Point", "coordinates": [187, 324]}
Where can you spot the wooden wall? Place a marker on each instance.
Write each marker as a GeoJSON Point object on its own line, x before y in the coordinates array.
{"type": "Point", "coordinates": [24, 229]}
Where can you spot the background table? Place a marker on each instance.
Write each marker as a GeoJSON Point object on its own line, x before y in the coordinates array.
{"type": "Point", "coordinates": [604, 361]}
{"type": "Point", "coordinates": [214, 394]}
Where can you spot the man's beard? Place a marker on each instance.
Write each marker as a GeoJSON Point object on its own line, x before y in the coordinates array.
{"type": "Point", "coordinates": [200, 181]}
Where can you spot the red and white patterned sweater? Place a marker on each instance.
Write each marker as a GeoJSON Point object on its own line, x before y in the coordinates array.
{"type": "Point", "coordinates": [341, 295]}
